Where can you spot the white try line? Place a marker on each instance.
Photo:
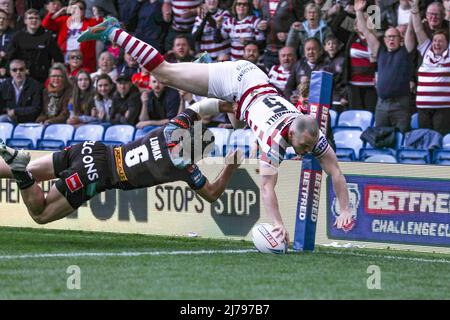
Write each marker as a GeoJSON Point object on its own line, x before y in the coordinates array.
{"type": "Point", "coordinates": [376, 256]}
{"type": "Point", "coordinates": [123, 254]}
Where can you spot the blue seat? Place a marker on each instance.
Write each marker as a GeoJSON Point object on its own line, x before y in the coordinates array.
{"type": "Point", "coordinates": [6, 130]}
{"type": "Point", "coordinates": [221, 137]}
{"type": "Point", "coordinates": [55, 137]}
{"type": "Point", "coordinates": [413, 156]}
{"type": "Point", "coordinates": [345, 154]}
{"type": "Point", "coordinates": [350, 138]}
{"type": "Point", "coordinates": [338, 128]}
{"type": "Point", "coordinates": [355, 118]}
{"type": "Point", "coordinates": [241, 139]}
{"type": "Point", "coordinates": [92, 132]}
{"type": "Point", "coordinates": [415, 121]}
{"type": "Point", "coordinates": [142, 132]}
{"type": "Point", "coordinates": [365, 153]}
{"type": "Point", "coordinates": [381, 158]}
{"type": "Point", "coordinates": [25, 136]}
{"type": "Point", "coordinates": [333, 118]}
{"type": "Point", "coordinates": [441, 157]}
{"type": "Point", "coordinates": [446, 141]}
{"type": "Point", "coordinates": [119, 133]}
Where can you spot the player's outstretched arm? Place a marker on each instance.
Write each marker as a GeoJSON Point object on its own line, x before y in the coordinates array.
{"type": "Point", "coordinates": [269, 178]}
{"type": "Point", "coordinates": [211, 191]}
{"type": "Point", "coordinates": [331, 167]}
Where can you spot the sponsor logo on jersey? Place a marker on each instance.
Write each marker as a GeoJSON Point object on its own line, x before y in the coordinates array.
{"type": "Point", "coordinates": [119, 164]}
{"type": "Point", "coordinates": [88, 160]}
{"type": "Point", "coordinates": [74, 183]}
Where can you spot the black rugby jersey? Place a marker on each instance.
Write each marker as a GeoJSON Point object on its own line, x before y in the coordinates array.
{"type": "Point", "coordinates": [146, 162]}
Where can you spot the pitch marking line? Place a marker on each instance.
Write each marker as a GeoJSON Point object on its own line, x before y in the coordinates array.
{"type": "Point", "coordinates": [123, 254]}
{"type": "Point", "coordinates": [356, 254]}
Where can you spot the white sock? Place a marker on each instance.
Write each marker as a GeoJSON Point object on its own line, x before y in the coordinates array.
{"type": "Point", "coordinates": [206, 107]}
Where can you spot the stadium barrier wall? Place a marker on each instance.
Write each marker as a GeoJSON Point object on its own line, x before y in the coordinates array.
{"type": "Point", "coordinates": [396, 206]}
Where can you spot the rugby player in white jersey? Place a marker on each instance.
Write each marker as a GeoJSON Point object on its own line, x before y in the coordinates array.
{"type": "Point", "coordinates": [276, 123]}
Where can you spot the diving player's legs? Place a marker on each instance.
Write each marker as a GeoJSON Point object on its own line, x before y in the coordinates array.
{"type": "Point", "coordinates": [42, 209]}
{"type": "Point", "coordinates": [187, 76]}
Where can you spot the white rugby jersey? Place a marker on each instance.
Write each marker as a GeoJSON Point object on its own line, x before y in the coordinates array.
{"type": "Point", "coordinates": [278, 76]}
{"type": "Point", "coordinates": [241, 29]}
{"type": "Point", "coordinates": [259, 104]}
{"type": "Point", "coordinates": [179, 7]}
{"type": "Point", "coordinates": [207, 43]}
{"type": "Point", "coordinates": [433, 86]}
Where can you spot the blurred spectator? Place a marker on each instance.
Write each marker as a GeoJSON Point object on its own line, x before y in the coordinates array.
{"type": "Point", "coordinates": [359, 67]}
{"type": "Point", "coordinates": [20, 95]}
{"type": "Point", "coordinates": [82, 100]}
{"type": "Point", "coordinates": [313, 26]}
{"type": "Point", "coordinates": [394, 13]}
{"type": "Point", "coordinates": [144, 19]}
{"type": "Point", "coordinates": [107, 6]}
{"type": "Point", "coordinates": [75, 63]}
{"type": "Point", "coordinates": [36, 46]}
{"type": "Point", "coordinates": [279, 74]}
{"type": "Point", "coordinates": [223, 58]}
{"type": "Point", "coordinates": [435, 19]}
{"type": "Point", "coordinates": [56, 96]}
{"type": "Point", "coordinates": [433, 88]}
{"type": "Point", "coordinates": [106, 65]}
{"type": "Point", "coordinates": [69, 22]}
{"type": "Point", "coordinates": [115, 50]}
{"type": "Point", "coordinates": [159, 105]}
{"type": "Point", "coordinates": [103, 98]}
{"type": "Point", "coordinates": [181, 16]}
{"type": "Point", "coordinates": [8, 7]}
{"type": "Point", "coordinates": [207, 24]}
{"type": "Point", "coordinates": [335, 59]}
{"type": "Point", "coordinates": [6, 34]}
{"type": "Point", "coordinates": [251, 53]}
{"type": "Point", "coordinates": [447, 10]}
{"type": "Point", "coordinates": [126, 102]}
{"type": "Point", "coordinates": [141, 80]}
{"type": "Point", "coordinates": [181, 51]}
{"type": "Point", "coordinates": [241, 28]}
{"type": "Point", "coordinates": [393, 74]}
{"type": "Point", "coordinates": [129, 66]}
{"type": "Point", "coordinates": [313, 61]}
{"type": "Point", "coordinates": [52, 6]}
{"type": "Point", "coordinates": [278, 16]}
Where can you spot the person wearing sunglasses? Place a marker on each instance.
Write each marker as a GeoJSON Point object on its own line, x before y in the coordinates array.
{"type": "Point", "coordinates": [75, 63]}
{"type": "Point", "coordinates": [20, 95]}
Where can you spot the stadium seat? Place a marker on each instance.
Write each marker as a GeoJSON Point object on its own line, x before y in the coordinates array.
{"type": "Point", "coordinates": [25, 136]}
{"type": "Point", "coordinates": [142, 132]}
{"type": "Point", "coordinates": [242, 139]}
{"type": "Point", "coordinates": [55, 137]}
{"type": "Point", "coordinates": [92, 132]}
{"type": "Point", "coordinates": [333, 118]}
{"type": "Point", "coordinates": [413, 156]}
{"type": "Point", "coordinates": [415, 121]}
{"type": "Point", "coordinates": [6, 130]}
{"type": "Point", "coordinates": [446, 141]}
{"type": "Point", "coordinates": [118, 134]}
{"type": "Point", "coordinates": [365, 153]}
{"type": "Point", "coordinates": [381, 158]}
{"type": "Point", "coordinates": [221, 137]}
{"type": "Point", "coordinates": [338, 128]}
{"type": "Point", "coordinates": [345, 139]}
{"type": "Point", "coordinates": [345, 154]}
{"type": "Point", "coordinates": [441, 157]}
{"type": "Point", "coordinates": [355, 118]}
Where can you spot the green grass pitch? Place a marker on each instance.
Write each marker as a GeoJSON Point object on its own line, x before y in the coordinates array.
{"type": "Point", "coordinates": [34, 265]}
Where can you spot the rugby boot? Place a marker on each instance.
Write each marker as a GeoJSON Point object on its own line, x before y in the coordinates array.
{"type": "Point", "coordinates": [16, 159]}
{"type": "Point", "coordinates": [100, 31]}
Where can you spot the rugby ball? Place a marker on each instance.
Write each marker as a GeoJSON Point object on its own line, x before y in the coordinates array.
{"type": "Point", "coordinates": [265, 241]}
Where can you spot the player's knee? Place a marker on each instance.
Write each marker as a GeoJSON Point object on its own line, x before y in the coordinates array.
{"type": "Point", "coordinates": [40, 219]}
{"type": "Point", "coordinates": [32, 167]}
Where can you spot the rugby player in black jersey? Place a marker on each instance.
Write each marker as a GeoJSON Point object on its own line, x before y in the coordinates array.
{"type": "Point", "coordinates": [164, 155]}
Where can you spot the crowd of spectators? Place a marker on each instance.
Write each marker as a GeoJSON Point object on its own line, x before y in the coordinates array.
{"type": "Point", "coordinates": [392, 59]}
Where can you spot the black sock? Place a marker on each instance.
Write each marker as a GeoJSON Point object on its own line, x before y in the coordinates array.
{"type": "Point", "coordinates": [24, 179]}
